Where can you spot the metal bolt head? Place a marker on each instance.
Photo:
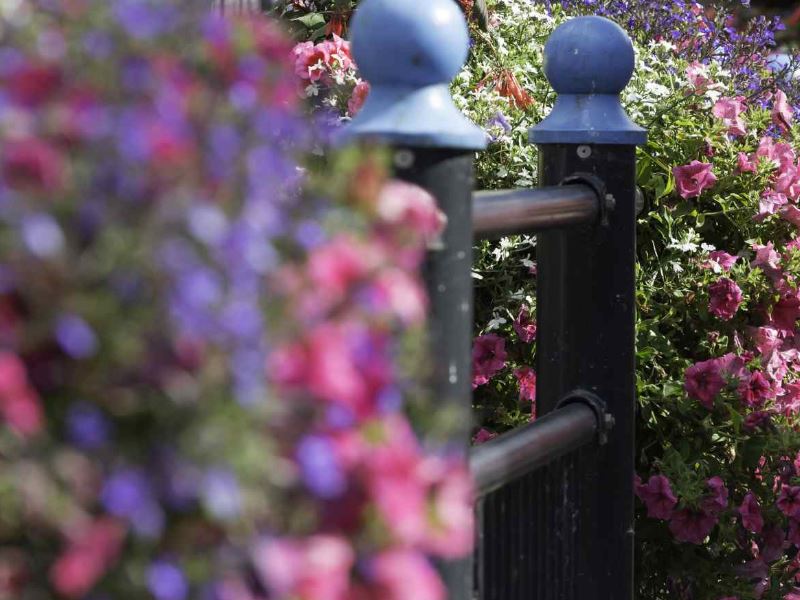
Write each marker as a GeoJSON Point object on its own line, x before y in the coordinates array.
{"type": "Point", "coordinates": [403, 159]}
{"type": "Point", "coordinates": [584, 151]}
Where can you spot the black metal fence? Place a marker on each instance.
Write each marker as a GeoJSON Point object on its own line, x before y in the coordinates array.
{"type": "Point", "coordinates": [555, 498]}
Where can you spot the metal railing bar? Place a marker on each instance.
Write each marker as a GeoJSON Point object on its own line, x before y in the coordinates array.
{"type": "Point", "coordinates": [516, 453]}
{"type": "Point", "coordinates": [506, 212]}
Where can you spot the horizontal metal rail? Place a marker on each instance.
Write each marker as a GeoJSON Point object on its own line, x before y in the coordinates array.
{"type": "Point", "coordinates": [513, 454]}
{"type": "Point", "coordinates": [506, 212]}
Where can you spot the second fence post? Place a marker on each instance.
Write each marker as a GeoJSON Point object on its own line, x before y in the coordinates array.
{"type": "Point", "coordinates": [585, 295]}
{"type": "Point", "coordinates": [409, 51]}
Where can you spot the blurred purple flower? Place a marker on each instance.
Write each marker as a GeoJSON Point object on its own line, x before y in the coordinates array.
{"type": "Point", "coordinates": [221, 494]}
{"type": "Point", "coordinates": [320, 470]}
{"type": "Point", "coordinates": [87, 426]}
{"type": "Point", "coordinates": [42, 235]}
{"type": "Point", "coordinates": [166, 581]}
{"type": "Point", "coordinates": [75, 336]}
{"type": "Point", "coordinates": [129, 494]}
{"type": "Point", "coordinates": [144, 19]}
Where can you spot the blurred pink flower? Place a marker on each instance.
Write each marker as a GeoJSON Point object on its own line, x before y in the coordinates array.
{"type": "Point", "coordinates": [692, 179]}
{"type": "Point", "coordinates": [729, 111]}
{"type": "Point", "coordinates": [335, 267]}
{"type": "Point", "coordinates": [20, 406]}
{"type": "Point", "coordinates": [395, 482]}
{"type": "Point", "coordinates": [657, 496]}
{"type": "Point", "coordinates": [403, 574]}
{"type": "Point", "coordinates": [750, 510]}
{"type": "Point", "coordinates": [525, 325]}
{"type": "Point", "coordinates": [91, 550]}
{"type": "Point", "coordinates": [409, 206]}
{"type": "Point", "coordinates": [483, 435]}
{"type": "Point", "coordinates": [451, 527]}
{"type": "Point", "coordinates": [401, 294]}
{"type": "Point", "coordinates": [488, 357]}
{"type": "Point", "coordinates": [725, 297]}
{"type": "Point", "coordinates": [782, 113]}
{"type": "Point", "coordinates": [312, 568]}
{"type": "Point", "coordinates": [32, 164]}
{"type": "Point", "coordinates": [358, 97]}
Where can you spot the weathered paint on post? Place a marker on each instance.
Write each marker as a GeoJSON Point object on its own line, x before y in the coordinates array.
{"type": "Point", "coordinates": [409, 51]}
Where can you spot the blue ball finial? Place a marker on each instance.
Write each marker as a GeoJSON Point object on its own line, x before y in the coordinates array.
{"type": "Point", "coordinates": [588, 61]}
{"type": "Point", "coordinates": [409, 51]}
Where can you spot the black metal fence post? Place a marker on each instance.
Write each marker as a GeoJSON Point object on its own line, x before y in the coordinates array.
{"type": "Point", "coordinates": [586, 290]}
{"type": "Point", "coordinates": [409, 51]}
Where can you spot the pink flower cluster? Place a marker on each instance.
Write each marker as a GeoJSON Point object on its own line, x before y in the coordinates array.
{"type": "Point", "coordinates": [327, 67]}
{"type": "Point", "coordinates": [687, 524]}
{"type": "Point", "coordinates": [359, 457]}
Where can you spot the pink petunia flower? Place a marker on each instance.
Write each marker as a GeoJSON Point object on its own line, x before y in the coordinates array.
{"type": "Point", "coordinates": [310, 60]}
{"type": "Point", "coordinates": [769, 203]}
{"type": "Point", "coordinates": [488, 357]}
{"type": "Point", "coordinates": [725, 297]}
{"type": "Point", "coordinates": [719, 260]}
{"type": "Point", "coordinates": [755, 390]}
{"type": "Point", "coordinates": [750, 511]}
{"type": "Point", "coordinates": [698, 77]}
{"type": "Point", "coordinates": [657, 495]}
{"type": "Point", "coordinates": [703, 381]}
{"type": "Point", "coordinates": [525, 325]}
{"type": "Point", "coordinates": [691, 526]}
{"type": "Point", "coordinates": [744, 164]}
{"type": "Point", "coordinates": [693, 178]}
{"type": "Point", "coordinates": [729, 111]}
{"type": "Point", "coordinates": [789, 501]}
{"type": "Point", "coordinates": [717, 500]}
{"type": "Point", "coordinates": [526, 378]}
{"type": "Point", "coordinates": [482, 436]}
{"type": "Point", "coordinates": [782, 113]}
{"type": "Point", "coordinates": [785, 313]}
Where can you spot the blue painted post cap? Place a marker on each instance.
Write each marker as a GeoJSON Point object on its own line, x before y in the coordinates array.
{"type": "Point", "coordinates": [588, 61]}
{"type": "Point", "coordinates": [409, 51]}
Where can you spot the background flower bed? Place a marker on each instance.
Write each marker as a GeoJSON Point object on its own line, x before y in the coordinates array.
{"type": "Point", "coordinates": [716, 294]}
{"type": "Point", "coordinates": [182, 414]}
